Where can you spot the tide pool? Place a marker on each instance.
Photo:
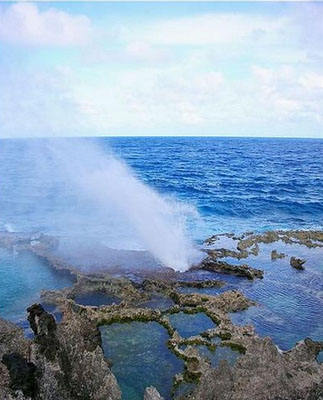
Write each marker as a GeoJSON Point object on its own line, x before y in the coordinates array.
{"type": "Point", "coordinates": [140, 358]}
{"type": "Point", "coordinates": [23, 277]}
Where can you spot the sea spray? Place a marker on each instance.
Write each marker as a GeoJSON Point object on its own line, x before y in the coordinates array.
{"type": "Point", "coordinates": [118, 197]}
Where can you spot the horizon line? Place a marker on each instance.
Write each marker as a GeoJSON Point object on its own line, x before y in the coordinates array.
{"type": "Point", "coordinates": [161, 136]}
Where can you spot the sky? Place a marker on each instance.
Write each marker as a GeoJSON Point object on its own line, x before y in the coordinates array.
{"type": "Point", "coordinates": [161, 68]}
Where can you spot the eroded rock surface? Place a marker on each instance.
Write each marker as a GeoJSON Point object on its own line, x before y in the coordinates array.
{"type": "Point", "coordinates": [265, 373]}
{"type": "Point", "coordinates": [245, 270]}
{"type": "Point", "coordinates": [64, 362]}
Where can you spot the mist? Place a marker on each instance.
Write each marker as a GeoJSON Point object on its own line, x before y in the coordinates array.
{"type": "Point", "coordinates": [103, 197]}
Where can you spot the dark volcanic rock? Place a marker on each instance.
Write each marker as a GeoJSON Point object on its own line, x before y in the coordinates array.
{"type": "Point", "coordinates": [12, 341]}
{"type": "Point", "coordinates": [22, 374]}
{"type": "Point", "coordinates": [245, 270]}
{"type": "Point", "coordinates": [44, 326]}
{"type": "Point", "coordinates": [297, 263]}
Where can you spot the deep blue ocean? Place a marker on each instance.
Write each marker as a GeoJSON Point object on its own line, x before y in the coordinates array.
{"type": "Point", "coordinates": [237, 184]}
{"type": "Point", "coordinates": [234, 184]}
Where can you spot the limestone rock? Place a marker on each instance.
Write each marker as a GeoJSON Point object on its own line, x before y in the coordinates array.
{"type": "Point", "coordinates": [63, 362]}
{"type": "Point", "coordinates": [265, 373]}
{"type": "Point", "coordinates": [245, 270]}
{"type": "Point", "coordinates": [151, 393]}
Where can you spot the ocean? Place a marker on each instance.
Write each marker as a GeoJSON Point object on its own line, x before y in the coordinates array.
{"type": "Point", "coordinates": [218, 184]}
{"type": "Point", "coordinates": [235, 184]}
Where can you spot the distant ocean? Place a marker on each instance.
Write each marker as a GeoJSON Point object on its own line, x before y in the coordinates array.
{"type": "Point", "coordinates": [236, 184]}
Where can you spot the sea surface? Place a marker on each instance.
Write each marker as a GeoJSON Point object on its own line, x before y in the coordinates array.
{"type": "Point", "coordinates": [233, 184]}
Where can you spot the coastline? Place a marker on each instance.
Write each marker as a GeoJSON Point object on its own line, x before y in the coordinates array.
{"type": "Point", "coordinates": [297, 373]}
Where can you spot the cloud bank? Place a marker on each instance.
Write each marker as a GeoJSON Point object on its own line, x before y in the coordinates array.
{"type": "Point", "coordinates": [86, 71]}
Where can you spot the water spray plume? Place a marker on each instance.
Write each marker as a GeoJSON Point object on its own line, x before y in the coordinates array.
{"type": "Point", "coordinates": [113, 188]}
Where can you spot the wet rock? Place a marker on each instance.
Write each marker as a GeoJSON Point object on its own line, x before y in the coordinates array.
{"type": "Point", "coordinates": [151, 393]}
{"type": "Point", "coordinates": [245, 270]}
{"type": "Point", "coordinates": [297, 263]}
{"type": "Point", "coordinates": [211, 240]}
{"type": "Point", "coordinates": [275, 255]}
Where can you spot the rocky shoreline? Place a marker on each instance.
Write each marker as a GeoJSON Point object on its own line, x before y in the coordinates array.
{"type": "Point", "coordinates": [65, 360]}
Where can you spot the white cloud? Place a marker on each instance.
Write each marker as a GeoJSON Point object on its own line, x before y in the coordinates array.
{"type": "Point", "coordinates": [286, 93]}
{"type": "Point", "coordinates": [37, 103]}
{"type": "Point", "coordinates": [23, 23]}
{"type": "Point", "coordinates": [207, 29]}
{"type": "Point", "coordinates": [143, 52]}
{"type": "Point", "coordinates": [214, 74]}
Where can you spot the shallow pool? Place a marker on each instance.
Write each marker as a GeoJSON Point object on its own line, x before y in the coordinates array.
{"type": "Point", "coordinates": [157, 301]}
{"type": "Point", "coordinates": [96, 299]}
{"type": "Point", "coordinates": [25, 276]}
{"type": "Point", "coordinates": [291, 301]}
{"type": "Point", "coordinates": [220, 353]}
{"type": "Point", "coordinates": [190, 324]}
{"type": "Point", "coordinates": [140, 358]}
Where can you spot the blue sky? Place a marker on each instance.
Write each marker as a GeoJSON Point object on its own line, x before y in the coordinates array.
{"type": "Point", "coordinates": [100, 68]}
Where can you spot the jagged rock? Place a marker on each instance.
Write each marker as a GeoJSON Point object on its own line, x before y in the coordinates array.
{"type": "Point", "coordinates": [297, 263]}
{"type": "Point", "coordinates": [245, 270]}
{"type": "Point", "coordinates": [64, 362]}
{"type": "Point", "coordinates": [275, 255]}
{"type": "Point", "coordinates": [44, 326]}
{"type": "Point", "coordinates": [151, 393]}
{"type": "Point", "coordinates": [69, 359]}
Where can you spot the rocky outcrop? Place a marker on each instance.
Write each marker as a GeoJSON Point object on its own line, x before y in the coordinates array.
{"type": "Point", "coordinates": [222, 252]}
{"type": "Point", "coordinates": [63, 362]}
{"type": "Point", "coordinates": [16, 371]}
{"type": "Point", "coordinates": [66, 361]}
{"type": "Point", "coordinates": [297, 263]}
{"type": "Point", "coordinates": [265, 373]}
{"type": "Point", "coordinates": [22, 374]}
{"type": "Point", "coordinates": [245, 241]}
{"type": "Point", "coordinates": [275, 255]}
{"type": "Point", "coordinates": [151, 393]}
{"type": "Point", "coordinates": [223, 267]}
{"type": "Point", "coordinates": [69, 358]}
